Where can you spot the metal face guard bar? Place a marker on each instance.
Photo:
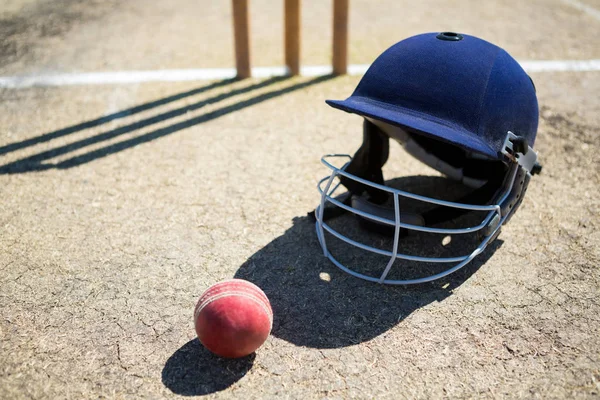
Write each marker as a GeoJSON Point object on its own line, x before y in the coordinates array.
{"type": "Point", "coordinates": [490, 226]}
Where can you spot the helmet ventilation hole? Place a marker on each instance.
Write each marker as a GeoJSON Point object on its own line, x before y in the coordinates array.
{"type": "Point", "coordinates": [450, 36]}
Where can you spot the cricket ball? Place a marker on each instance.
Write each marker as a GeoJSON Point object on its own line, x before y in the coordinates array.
{"type": "Point", "coordinates": [233, 318]}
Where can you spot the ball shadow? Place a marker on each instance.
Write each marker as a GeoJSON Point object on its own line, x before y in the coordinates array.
{"type": "Point", "coordinates": [317, 305]}
{"type": "Point", "coordinates": [193, 370]}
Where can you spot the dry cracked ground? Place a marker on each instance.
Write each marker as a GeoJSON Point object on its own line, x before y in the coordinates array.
{"type": "Point", "coordinates": [121, 204]}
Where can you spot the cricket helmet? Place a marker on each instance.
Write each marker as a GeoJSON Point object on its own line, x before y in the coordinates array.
{"type": "Point", "coordinates": [460, 105]}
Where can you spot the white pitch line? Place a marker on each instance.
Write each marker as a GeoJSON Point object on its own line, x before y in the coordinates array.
{"type": "Point", "coordinates": [181, 75]}
{"type": "Point", "coordinates": [561, 65]}
{"type": "Point", "coordinates": [583, 7]}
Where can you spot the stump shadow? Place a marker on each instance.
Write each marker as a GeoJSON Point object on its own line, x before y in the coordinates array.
{"type": "Point", "coordinates": [85, 150]}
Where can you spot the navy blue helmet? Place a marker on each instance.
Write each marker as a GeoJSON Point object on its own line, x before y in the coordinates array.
{"type": "Point", "coordinates": [457, 103]}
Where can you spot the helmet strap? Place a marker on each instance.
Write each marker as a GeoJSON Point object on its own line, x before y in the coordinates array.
{"type": "Point", "coordinates": [367, 163]}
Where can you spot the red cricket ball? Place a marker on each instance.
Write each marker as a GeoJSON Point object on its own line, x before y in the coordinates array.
{"type": "Point", "coordinates": [233, 318]}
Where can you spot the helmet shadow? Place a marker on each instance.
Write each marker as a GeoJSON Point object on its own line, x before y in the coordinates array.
{"type": "Point", "coordinates": [317, 305]}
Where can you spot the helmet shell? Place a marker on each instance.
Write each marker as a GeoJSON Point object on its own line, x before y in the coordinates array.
{"type": "Point", "coordinates": [464, 91]}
